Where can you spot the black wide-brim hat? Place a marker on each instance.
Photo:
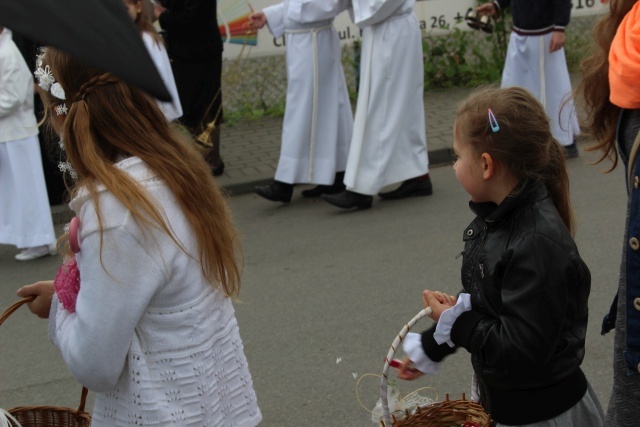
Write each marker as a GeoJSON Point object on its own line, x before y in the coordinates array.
{"type": "Point", "coordinates": [99, 32]}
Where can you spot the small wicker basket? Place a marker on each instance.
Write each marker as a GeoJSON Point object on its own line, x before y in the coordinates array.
{"type": "Point", "coordinates": [47, 416]}
{"type": "Point", "coordinates": [440, 414]}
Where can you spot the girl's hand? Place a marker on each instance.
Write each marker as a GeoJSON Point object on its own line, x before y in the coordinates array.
{"type": "Point", "coordinates": [407, 371]}
{"type": "Point", "coordinates": [486, 9]}
{"type": "Point", "coordinates": [438, 302]}
{"type": "Point", "coordinates": [557, 41]}
{"type": "Point", "coordinates": [257, 20]}
{"type": "Point", "coordinates": [43, 292]}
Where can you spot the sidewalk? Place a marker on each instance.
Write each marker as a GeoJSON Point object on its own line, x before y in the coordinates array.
{"type": "Point", "coordinates": [251, 149]}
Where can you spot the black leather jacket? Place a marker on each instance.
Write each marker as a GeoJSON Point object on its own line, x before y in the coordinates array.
{"type": "Point", "coordinates": [529, 290]}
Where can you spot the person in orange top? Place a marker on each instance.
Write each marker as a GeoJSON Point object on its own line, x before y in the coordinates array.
{"type": "Point", "coordinates": [610, 90]}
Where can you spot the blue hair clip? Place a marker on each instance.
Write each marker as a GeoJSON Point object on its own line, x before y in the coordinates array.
{"type": "Point", "coordinates": [495, 127]}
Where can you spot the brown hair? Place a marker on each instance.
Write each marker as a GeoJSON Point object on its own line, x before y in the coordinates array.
{"type": "Point", "coordinates": [601, 115]}
{"type": "Point", "coordinates": [144, 24]}
{"type": "Point", "coordinates": [524, 145]}
{"type": "Point", "coordinates": [108, 119]}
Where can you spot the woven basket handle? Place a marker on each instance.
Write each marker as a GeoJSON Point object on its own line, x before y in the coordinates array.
{"type": "Point", "coordinates": [16, 305]}
{"type": "Point", "coordinates": [9, 311]}
{"type": "Point", "coordinates": [392, 351]}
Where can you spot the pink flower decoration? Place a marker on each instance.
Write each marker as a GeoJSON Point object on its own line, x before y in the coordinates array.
{"type": "Point", "coordinates": [74, 230]}
{"type": "Point", "coordinates": [67, 284]}
{"type": "Point", "coordinates": [67, 281]}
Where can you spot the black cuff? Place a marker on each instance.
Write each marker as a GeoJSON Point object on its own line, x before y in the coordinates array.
{"type": "Point", "coordinates": [463, 327]}
{"type": "Point", "coordinates": [434, 351]}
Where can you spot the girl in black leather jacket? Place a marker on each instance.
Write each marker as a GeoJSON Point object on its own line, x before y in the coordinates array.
{"type": "Point", "coordinates": [523, 312]}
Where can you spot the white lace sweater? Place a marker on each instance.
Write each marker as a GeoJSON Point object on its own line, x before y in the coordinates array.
{"type": "Point", "coordinates": [157, 344]}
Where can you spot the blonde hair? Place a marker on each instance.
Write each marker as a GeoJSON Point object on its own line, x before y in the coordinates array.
{"type": "Point", "coordinates": [601, 115]}
{"type": "Point", "coordinates": [108, 119]}
{"type": "Point", "coordinates": [524, 145]}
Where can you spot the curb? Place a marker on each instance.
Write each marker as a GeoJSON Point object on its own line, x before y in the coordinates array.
{"type": "Point", "coordinates": [62, 214]}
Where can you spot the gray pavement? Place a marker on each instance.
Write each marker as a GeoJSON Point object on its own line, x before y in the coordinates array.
{"type": "Point", "coordinates": [325, 291]}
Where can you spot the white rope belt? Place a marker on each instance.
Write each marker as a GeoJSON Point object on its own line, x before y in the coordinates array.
{"type": "Point", "coordinates": [314, 111]}
{"type": "Point", "coordinates": [543, 80]}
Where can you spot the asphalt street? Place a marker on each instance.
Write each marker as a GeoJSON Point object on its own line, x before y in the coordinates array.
{"type": "Point", "coordinates": [325, 292]}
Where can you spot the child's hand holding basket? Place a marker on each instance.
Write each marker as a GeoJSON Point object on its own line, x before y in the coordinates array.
{"type": "Point", "coordinates": [43, 416]}
{"type": "Point", "coordinates": [448, 413]}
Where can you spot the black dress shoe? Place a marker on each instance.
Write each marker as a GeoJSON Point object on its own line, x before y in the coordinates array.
{"type": "Point", "coordinates": [319, 190]}
{"type": "Point", "coordinates": [409, 188]}
{"type": "Point", "coordinates": [218, 170]}
{"type": "Point", "coordinates": [276, 191]}
{"type": "Point", "coordinates": [348, 199]}
{"type": "Point", "coordinates": [337, 187]}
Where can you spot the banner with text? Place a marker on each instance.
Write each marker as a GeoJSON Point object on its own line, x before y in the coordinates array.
{"type": "Point", "coordinates": [435, 16]}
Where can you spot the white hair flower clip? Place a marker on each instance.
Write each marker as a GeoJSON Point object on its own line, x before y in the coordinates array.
{"type": "Point", "coordinates": [61, 109]}
{"type": "Point", "coordinates": [65, 167]}
{"type": "Point", "coordinates": [46, 80]}
{"type": "Point", "coordinates": [57, 91]}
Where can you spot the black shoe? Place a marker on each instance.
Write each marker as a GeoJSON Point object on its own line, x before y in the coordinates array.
{"type": "Point", "coordinates": [409, 188]}
{"type": "Point", "coordinates": [337, 187]}
{"type": "Point", "coordinates": [276, 191]}
{"type": "Point", "coordinates": [218, 170]}
{"type": "Point", "coordinates": [319, 190]}
{"type": "Point", "coordinates": [348, 199]}
{"type": "Point", "coordinates": [571, 151]}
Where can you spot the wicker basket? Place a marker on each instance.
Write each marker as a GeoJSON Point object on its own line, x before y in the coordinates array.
{"type": "Point", "coordinates": [48, 416]}
{"type": "Point", "coordinates": [440, 414]}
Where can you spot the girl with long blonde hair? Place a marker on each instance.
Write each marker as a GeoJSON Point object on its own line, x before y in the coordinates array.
{"type": "Point", "coordinates": [149, 325]}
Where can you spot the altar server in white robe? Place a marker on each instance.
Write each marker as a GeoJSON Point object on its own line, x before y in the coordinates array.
{"type": "Point", "coordinates": [25, 214]}
{"type": "Point", "coordinates": [536, 61]}
{"type": "Point", "coordinates": [389, 137]}
{"type": "Point", "coordinates": [318, 120]}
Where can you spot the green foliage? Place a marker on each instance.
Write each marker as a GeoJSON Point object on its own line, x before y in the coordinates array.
{"type": "Point", "coordinates": [464, 58]}
{"type": "Point", "coordinates": [576, 48]}
{"type": "Point", "coordinates": [252, 112]}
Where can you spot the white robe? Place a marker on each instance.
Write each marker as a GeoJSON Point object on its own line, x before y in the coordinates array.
{"type": "Point", "coordinates": [318, 120]}
{"type": "Point", "coordinates": [529, 64]}
{"type": "Point", "coordinates": [389, 138]}
{"type": "Point", "coordinates": [25, 214]}
{"type": "Point", "coordinates": [172, 110]}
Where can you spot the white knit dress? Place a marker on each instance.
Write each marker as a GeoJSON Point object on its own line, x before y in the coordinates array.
{"type": "Point", "coordinates": [157, 344]}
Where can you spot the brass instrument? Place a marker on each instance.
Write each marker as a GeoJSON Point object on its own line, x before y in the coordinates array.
{"type": "Point", "coordinates": [203, 139]}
